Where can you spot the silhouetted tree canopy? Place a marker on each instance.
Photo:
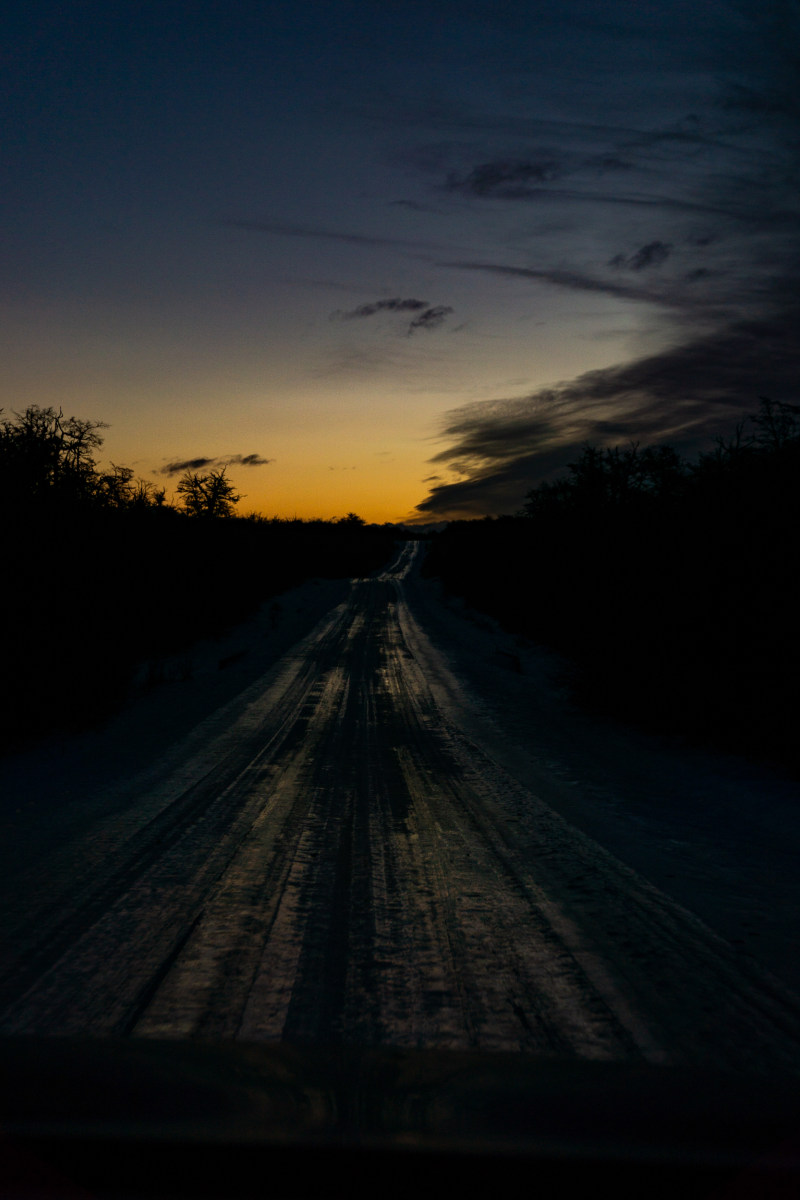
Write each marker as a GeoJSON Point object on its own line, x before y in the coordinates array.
{"type": "Point", "coordinates": [47, 458]}
{"type": "Point", "coordinates": [44, 454]}
{"type": "Point", "coordinates": [97, 569]}
{"type": "Point", "coordinates": [671, 585]}
{"type": "Point", "coordinates": [208, 495]}
{"type": "Point", "coordinates": [120, 489]}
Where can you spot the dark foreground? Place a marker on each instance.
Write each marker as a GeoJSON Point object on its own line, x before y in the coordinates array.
{"type": "Point", "coordinates": [169, 1119]}
{"type": "Point", "coordinates": [341, 865]}
{"type": "Point", "coordinates": [333, 946]}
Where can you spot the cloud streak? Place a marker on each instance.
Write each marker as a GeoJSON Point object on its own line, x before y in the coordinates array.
{"type": "Point", "coordinates": [685, 395]}
{"type": "Point", "coordinates": [431, 319]}
{"type": "Point", "coordinates": [714, 227]}
{"type": "Point", "coordinates": [316, 233]}
{"type": "Point", "coordinates": [369, 310]}
{"type": "Point", "coordinates": [429, 316]}
{"type": "Point", "coordinates": [733, 208]}
{"type": "Point", "coordinates": [505, 179]}
{"type": "Point", "coordinates": [187, 464]}
{"type": "Point", "coordinates": [572, 280]}
{"type": "Point", "coordinates": [246, 460]}
{"type": "Point", "coordinates": [204, 461]}
{"type": "Point", "coordinates": [651, 255]}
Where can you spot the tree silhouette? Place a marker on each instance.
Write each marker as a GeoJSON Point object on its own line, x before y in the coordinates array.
{"type": "Point", "coordinates": [670, 586]}
{"type": "Point", "coordinates": [776, 423]}
{"type": "Point", "coordinates": [44, 454]}
{"type": "Point", "coordinates": [209, 495]}
{"type": "Point", "coordinates": [118, 488]}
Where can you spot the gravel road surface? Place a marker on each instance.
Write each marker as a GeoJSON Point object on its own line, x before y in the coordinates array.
{"type": "Point", "coordinates": [342, 862]}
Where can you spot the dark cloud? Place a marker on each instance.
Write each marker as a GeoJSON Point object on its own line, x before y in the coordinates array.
{"type": "Point", "coordinates": [685, 395]}
{"type": "Point", "coordinates": [724, 186]}
{"type": "Point", "coordinates": [247, 460]}
{"type": "Point", "coordinates": [651, 255]}
{"type": "Point", "coordinates": [590, 163]}
{"type": "Point", "coordinates": [369, 310]}
{"type": "Point", "coordinates": [187, 464]}
{"type": "Point", "coordinates": [432, 318]}
{"type": "Point", "coordinates": [732, 206]}
{"type": "Point", "coordinates": [198, 464]}
{"type": "Point", "coordinates": [507, 179]}
{"type": "Point", "coordinates": [641, 157]}
{"type": "Point", "coordinates": [574, 280]}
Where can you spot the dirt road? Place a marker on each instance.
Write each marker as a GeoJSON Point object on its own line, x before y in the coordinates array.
{"type": "Point", "coordinates": [344, 864]}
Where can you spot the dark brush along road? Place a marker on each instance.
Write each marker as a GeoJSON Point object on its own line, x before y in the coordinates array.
{"type": "Point", "coordinates": [345, 865]}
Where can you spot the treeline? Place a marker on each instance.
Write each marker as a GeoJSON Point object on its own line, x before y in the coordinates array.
{"type": "Point", "coordinates": [672, 586]}
{"type": "Point", "coordinates": [100, 574]}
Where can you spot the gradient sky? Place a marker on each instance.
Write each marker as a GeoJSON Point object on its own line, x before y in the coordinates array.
{"type": "Point", "coordinates": [398, 258]}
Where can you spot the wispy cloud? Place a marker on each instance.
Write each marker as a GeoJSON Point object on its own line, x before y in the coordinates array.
{"type": "Point", "coordinates": [287, 229]}
{"type": "Point", "coordinates": [369, 310]}
{"type": "Point", "coordinates": [733, 207]}
{"type": "Point", "coordinates": [204, 461]}
{"type": "Point", "coordinates": [684, 395]}
{"type": "Point", "coordinates": [246, 460]}
{"type": "Point", "coordinates": [359, 360]}
{"type": "Point", "coordinates": [429, 316]}
{"type": "Point", "coordinates": [651, 255]}
{"type": "Point", "coordinates": [573, 280]}
{"type": "Point", "coordinates": [714, 226]}
{"type": "Point", "coordinates": [506, 179]}
{"type": "Point", "coordinates": [187, 464]}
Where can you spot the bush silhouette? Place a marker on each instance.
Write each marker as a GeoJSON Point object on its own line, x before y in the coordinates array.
{"type": "Point", "coordinates": [670, 584]}
{"type": "Point", "coordinates": [209, 495]}
{"type": "Point", "coordinates": [44, 456]}
{"type": "Point", "coordinates": [97, 569]}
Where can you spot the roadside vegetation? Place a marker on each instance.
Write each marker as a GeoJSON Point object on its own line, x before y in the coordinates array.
{"type": "Point", "coordinates": [100, 573]}
{"type": "Point", "coordinates": [671, 586]}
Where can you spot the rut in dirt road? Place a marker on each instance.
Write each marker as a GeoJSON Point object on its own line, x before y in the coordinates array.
{"type": "Point", "coordinates": [351, 868]}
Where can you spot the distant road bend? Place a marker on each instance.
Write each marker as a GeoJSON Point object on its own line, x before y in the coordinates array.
{"type": "Point", "coordinates": [345, 864]}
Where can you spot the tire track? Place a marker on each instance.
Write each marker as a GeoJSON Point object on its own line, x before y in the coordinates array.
{"type": "Point", "coordinates": [193, 840]}
{"type": "Point", "coordinates": [357, 870]}
{"type": "Point", "coordinates": [669, 983]}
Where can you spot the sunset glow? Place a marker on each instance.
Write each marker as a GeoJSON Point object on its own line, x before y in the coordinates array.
{"type": "Point", "coordinates": [288, 232]}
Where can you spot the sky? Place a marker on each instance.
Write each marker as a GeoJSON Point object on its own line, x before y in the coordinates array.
{"type": "Point", "coordinates": [401, 259]}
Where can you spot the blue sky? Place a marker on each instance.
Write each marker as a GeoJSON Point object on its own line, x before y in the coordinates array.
{"type": "Point", "coordinates": [398, 258]}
